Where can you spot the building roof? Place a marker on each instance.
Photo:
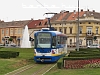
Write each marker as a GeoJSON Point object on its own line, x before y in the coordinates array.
{"type": "Point", "coordinates": [62, 15]}
{"type": "Point", "coordinates": [74, 15]}
{"type": "Point", "coordinates": [70, 16]}
{"type": "Point", "coordinates": [34, 23]}
{"type": "Point", "coordinates": [30, 23]}
{"type": "Point", "coordinates": [14, 24]}
{"type": "Point", "coordinates": [44, 23]}
{"type": "Point", "coordinates": [55, 17]}
{"type": "Point", "coordinates": [37, 24]}
{"type": "Point", "coordinates": [94, 14]}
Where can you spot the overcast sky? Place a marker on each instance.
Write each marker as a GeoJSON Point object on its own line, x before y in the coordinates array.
{"type": "Point", "coordinates": [26, 9]}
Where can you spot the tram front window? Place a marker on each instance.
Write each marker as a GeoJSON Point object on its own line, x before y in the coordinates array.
{"type": "Point", "coordinates": [44, 40]}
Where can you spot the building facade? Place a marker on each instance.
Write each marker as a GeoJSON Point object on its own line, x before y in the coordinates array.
{"type": "Point", "coordinates": [89, 26]}
{"type": "Point", "coordinates": [12, 30]}
{"type": "Point", "coordinates": [15, 30]}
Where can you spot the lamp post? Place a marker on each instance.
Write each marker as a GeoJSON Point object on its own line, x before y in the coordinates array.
{"type": "Point", "coordinates": [77, 40]}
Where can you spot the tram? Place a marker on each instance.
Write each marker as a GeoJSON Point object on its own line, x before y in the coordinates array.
{"type": "Point", "coordinates": [49, 45]}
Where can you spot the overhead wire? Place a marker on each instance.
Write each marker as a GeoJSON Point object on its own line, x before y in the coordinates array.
{"type": "Point", "coordinates": [44, 14]}
{"type": "Point", "coordinates": [43, 5]}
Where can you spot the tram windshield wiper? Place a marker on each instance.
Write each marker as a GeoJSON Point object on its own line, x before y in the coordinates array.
{"type": "Point", "coordinates": [40, 47]}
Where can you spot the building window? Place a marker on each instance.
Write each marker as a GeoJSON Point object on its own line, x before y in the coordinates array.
{"type": "Point", "coordinates": [70, 30]}
{"type": "Point", "coordinates": [39, 23]}
{"type": "Point", "coordinates": [60, 30]}
{"type": "Point", "coordinates": [89, 30]}
{"type": "Point", "coordinates": [45, 23]}
{"type": "Point", "coordinates": [97, 30]}
{"type": "Point", "coordinates": [80, 42]}
{"type": "Point", "coordinates": [97, 23]}
{"type": "Point", "coordinates": [70, 41]}
{"type": "Point", "coordinates": [80, 22]}
{"type": "Point", "coordinates": [11, 31]}
{"type": "Point", "coordinates": [64, 30]}
{"type": "Point", "coordinates": [89, 23]}
{"type": "Point", "coordinates": [19, 31]}
{"type": "Point", "coordinates": [80, 30]}
{"type": "Point", "coordinates": [6, 31]}
{"type": "Point", "coordinates": [2, 31]}
{"type": "Point", "coordinates": [15, 31]}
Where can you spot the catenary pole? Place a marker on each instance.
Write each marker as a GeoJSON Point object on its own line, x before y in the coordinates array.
{"type": "Point", "coordinates": [78, 29]}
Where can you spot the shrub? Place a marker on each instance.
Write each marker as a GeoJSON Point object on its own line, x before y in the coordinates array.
{"type": "Point", "coordinates": [8, 54]}
{"type": "Point", "coordinates": [60, 63]}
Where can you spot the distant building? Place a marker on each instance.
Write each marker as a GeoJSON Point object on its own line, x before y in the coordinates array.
{"type": "Point", "coordinates": [15, 30]}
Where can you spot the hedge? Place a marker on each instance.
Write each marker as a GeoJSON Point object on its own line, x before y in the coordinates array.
{"type": "Point", "coordinates": [60, 63]}
{"type": "Point", "coordinates": [8, 54]}
{"type": "Point", "coordinates": [80, 58]}
{"type": "Point", "coordinates": [85, 52]}
{"type": "Point", "coordinates": [88, 49]}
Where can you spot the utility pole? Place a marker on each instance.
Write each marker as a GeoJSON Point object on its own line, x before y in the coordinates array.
{"type": "Point", "coordinates": [77, 40]}
{"type": "Point", "coordinates": [62, 12]}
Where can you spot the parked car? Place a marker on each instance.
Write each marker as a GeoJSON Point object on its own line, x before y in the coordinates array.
{"type": "Point", "coordinates": [94, 46]}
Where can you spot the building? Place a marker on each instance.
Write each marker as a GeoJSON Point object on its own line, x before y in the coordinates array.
{"type": "Point", "coordinates": [14, 30]}
{"type": "Point", "coordinates": [89, 26]}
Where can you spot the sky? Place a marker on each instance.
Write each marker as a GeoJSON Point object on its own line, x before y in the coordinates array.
{"type": "Point", "coordinates": [15, 10]}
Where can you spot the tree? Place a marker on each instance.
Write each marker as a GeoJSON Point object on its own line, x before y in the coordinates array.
{"type": "Point", "coordinates": [10, 39]}
{"type": "Point", "coordinates": [95, 37]}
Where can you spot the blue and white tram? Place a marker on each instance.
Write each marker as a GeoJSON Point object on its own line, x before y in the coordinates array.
{"type": "Point", "coordinates": [49, 46]}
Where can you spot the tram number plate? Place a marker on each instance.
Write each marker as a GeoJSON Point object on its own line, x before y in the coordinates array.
{"type": "Point", "coordinates": [43, 54]}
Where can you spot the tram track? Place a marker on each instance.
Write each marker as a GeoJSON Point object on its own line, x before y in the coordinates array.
{"type": "Point", "coordinates": [20, 70]}
{"type": "Point", "coordinates": [43, 69]}
{"type": "Point", "coordinates": [32, 69]}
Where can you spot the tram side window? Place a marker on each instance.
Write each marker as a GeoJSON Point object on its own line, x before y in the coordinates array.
{"type": "Point", "coordinates": [35, 41]}
{"type": "Point", "coordinates": [53, 41]}
{"type": "Point", "coordinates": [62, 40]}
{"type": "Point", "coordinates": [58, 40]}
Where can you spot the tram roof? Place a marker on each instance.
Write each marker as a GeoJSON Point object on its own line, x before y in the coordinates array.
{"type": "Point", "coordinates": [56, 32]}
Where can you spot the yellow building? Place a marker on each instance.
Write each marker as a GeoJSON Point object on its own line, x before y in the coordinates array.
{"type": "Point", "coordinates": [89, 26]}
{"type": "Point", "coordinates": [12, 30]}
{"type": "Point", "coordinates": [15, 30]}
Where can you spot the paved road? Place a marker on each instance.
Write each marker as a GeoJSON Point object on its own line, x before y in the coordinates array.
{"type": "Point", "coordinates": [69, 48]}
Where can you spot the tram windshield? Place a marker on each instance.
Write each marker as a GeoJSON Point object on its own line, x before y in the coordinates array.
{"type": "Point", "coordinates": [43, 40]}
